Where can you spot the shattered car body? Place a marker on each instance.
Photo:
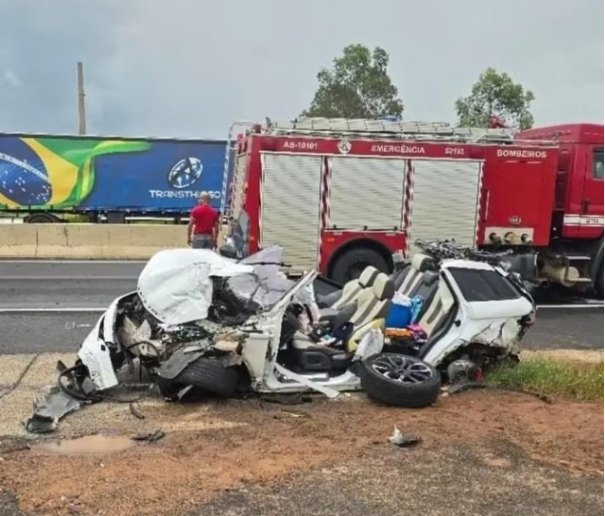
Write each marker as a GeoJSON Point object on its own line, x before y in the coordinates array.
{"type": "Point", "coordinates": [169, 312]}
{"type": "Point", "coordinates": [125, 332]}
{"type": "Point", "coordinates": [242, 326]}
{"type": "Point", "coordinates": [491, 315]}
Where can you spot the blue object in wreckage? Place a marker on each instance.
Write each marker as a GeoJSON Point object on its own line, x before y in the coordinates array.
{"type": "Point", "coordinates": [402, 316]}
{"type": "Point", "coordinates": [416, 308]}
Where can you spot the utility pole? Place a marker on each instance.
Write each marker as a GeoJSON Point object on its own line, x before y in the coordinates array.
{"type": "Point", "coordinates": [81, 103]}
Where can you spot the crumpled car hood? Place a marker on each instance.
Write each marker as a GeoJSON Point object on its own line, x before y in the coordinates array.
{"type": "Point", "coordinates": [176, 287]}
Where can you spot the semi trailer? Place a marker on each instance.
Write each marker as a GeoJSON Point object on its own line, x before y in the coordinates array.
{"type": "Point", "coordinates": [47, 178]}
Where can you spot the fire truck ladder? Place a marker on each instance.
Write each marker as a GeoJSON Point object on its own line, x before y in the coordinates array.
{"type": "Point", "coordinates": [383, 129]}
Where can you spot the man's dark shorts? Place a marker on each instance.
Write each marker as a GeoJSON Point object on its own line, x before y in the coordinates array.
{"type": "Point", "coordinates": [202, 242]}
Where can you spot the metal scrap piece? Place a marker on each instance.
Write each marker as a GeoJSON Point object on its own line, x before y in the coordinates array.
{"type": "Point", "coordinates": [49, 409]}
{"type": "Point", "coordinates": [135, 411]}
{"type": "Point", "coordinates": [177, 363]}
{"type": "Point", "coordinates": [201, 345]}
{"type": "Point", "coordinates": [152, 437]}
{"type": "Point", "coordinates": [138, 339]}
{"type": "Point", "coordinates": [182, 393]}
{"type": "Point", "coordinates": [226, 345]}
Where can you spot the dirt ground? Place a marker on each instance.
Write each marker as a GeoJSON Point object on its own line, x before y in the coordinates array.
{"type": "Point", "coordinates": [215, 448]}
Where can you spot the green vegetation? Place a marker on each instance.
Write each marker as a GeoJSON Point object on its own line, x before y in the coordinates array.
{"type": "Point", "coordinates": [496, 94]}
{"type": "Point", "coordinates": [553, 377]}
{"type": "Point", "coordinates": [357, 86]}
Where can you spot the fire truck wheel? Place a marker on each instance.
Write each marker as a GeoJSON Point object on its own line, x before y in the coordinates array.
{"type": "Point", "coordinates": [599, 283]}
{"type": "Point", "coordinates": [352, 263]}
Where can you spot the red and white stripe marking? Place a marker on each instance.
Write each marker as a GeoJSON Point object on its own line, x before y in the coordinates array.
{"type": "Point", "coordinates": [260, 203]}
{"type": "Point", "coordinates": [407, 204]}
{"type": "Point", "coordinates": [479, 204]}
{"type": "Point", "coordinates": [325, 193]}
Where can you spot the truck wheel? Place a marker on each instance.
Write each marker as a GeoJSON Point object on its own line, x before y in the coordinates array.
{"type": "Point", "coordinates": [41, 218]}
{"type": "Point", "coordinates": [351, 264]}
{"type": "Point", "coordinates": [210, 375]}
{"type": "Point", "coordinates": [400, 380]}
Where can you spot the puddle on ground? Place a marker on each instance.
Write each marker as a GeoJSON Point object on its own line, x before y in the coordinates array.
{"type": "Point", "coordinates": [88, 444]}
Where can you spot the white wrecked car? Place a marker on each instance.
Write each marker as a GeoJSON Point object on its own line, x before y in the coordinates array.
{"type": "Point", "coordinates": [199, 320]}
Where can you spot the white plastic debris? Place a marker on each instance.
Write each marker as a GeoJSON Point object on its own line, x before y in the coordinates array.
{"type": "Point", "coordinates": [371, 344]}
{"type": "Point", "coordinates": [403, 440]}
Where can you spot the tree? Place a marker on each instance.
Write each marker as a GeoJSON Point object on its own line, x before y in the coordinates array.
{"type": "Point", "coordinates": [357, 86]}
{"type": "Point", "coordinates": [495, 94]}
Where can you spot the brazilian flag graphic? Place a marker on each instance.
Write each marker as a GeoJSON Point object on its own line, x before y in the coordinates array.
{"type": "Point", "coordinates": [59, 172]}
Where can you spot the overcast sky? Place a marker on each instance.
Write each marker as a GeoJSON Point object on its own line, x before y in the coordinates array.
{"type": "Point", "coordinates": [188, 68]}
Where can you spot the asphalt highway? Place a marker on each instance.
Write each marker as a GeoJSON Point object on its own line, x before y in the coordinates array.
{"type": "Point", "coordinates": [51, 306]}
{"type": "Point", "coordinates": [59, 285]}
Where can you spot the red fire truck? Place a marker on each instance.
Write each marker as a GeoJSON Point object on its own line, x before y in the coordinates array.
{"type": "Point", "coordinates": [339, 195]}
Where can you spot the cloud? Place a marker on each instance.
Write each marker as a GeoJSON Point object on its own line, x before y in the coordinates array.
{"type": "Point", "coordinates": [10, 78]}
{"type": "Point", "coordinates": [188, 68]}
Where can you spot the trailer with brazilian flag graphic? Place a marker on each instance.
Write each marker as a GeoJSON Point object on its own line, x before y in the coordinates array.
{"type": "Point", "coordinates": [101, 175]}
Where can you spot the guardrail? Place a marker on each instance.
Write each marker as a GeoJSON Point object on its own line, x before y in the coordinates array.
{"type": "Point", "coordinates": [89, 241]}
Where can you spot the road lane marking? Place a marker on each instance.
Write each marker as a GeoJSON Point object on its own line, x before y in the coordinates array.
{"type": "Point", "coordinates": [89, 262]}
{"type": "Point", "coordinates": [52, 310]}
{"type": "Point", "coordinates": [572, 307]}
{"type": "Point", "coordinates": [68, 278]}
{"type": "Point", "coordinates": [73, 325]}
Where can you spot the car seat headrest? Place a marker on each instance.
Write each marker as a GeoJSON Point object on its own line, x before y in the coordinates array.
{"type": "Point", "coordinates": [422, 262]}
{"type": "Point", "coordinates": [430, 277]}
{"type": "Point", "coordinates": [368, 276]}
{"type": "Point", "coordinates": [383, 287]}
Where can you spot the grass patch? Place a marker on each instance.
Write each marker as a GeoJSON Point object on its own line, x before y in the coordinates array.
{"type": "Point", "coordinates": [551, 377]}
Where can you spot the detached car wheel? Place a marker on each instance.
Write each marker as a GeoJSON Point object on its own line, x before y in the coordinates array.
{"type": "Point", "coordinates": [207, 374]}
{"type": "Point", "coordinates": [400, 380]}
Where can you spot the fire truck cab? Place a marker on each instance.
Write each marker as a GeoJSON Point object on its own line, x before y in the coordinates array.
{"type": "Point", "coordinates": [575, 254]}
{"type": "Point", "coordinates": [339, 195]}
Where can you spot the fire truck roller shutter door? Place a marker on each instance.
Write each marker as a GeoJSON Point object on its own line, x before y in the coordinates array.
{"type": "Point", "coordinates": [290, 206]}
{"type": "Point", "coordinates": [446, 202]}
{"type": "Point", "coordinates": [367, 193]}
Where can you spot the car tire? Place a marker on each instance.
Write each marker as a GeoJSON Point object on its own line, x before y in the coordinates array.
{"type": "Point", "coordinates": [210, 375]}
{"type": "Point", "coordinates": [395, 392]}
{"type": "Point", "coordinates": [168, 388]}
{"type": "Point", "coordinates": [352, 262]}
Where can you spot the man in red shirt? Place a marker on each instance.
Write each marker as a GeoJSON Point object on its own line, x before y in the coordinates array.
{"type": "Point", "coordinates": [203, 225]}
